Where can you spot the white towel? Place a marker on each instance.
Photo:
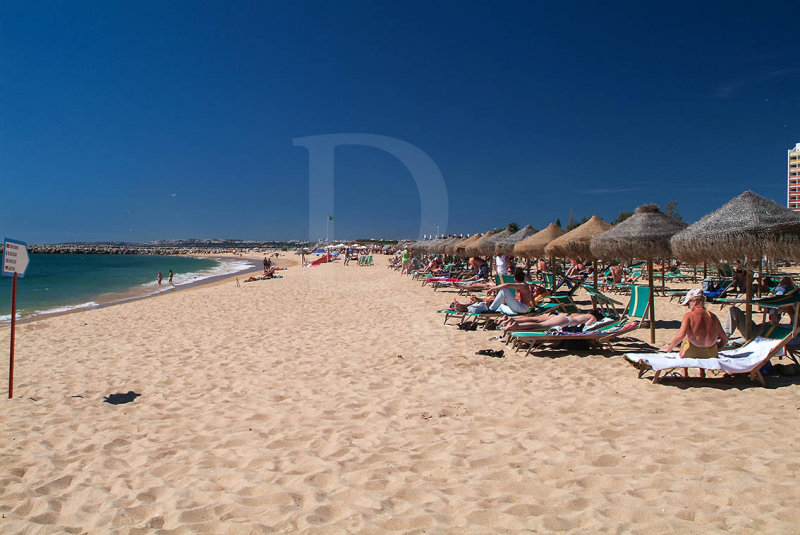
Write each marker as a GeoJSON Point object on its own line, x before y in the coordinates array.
{"type": "Point", "coordinates": [741, 360]}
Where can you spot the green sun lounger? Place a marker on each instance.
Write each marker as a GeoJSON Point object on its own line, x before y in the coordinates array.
{"type": "Point", "coordinates": [601, 336]}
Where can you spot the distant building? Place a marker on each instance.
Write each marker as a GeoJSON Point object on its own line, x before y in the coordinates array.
{"type": "Point", "coordinates": [793, 174]}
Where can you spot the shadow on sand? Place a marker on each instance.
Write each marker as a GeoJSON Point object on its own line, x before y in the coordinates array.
{"type": "Point", "coordinates": [119, 398]}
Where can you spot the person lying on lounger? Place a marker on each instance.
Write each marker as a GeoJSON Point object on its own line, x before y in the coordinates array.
{"type": "Point", "coordinates": [545, 321]}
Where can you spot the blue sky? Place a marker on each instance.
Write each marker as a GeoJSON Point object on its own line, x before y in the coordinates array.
{"type": "Point", "coordinates": [145, 120]}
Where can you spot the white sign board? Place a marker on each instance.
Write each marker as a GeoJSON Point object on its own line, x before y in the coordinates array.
{"type": "Point", "coordinates": [15, 257]}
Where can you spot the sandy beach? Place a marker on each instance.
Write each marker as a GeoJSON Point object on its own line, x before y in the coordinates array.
{"type": "Point", "coordinates": [333, 400]}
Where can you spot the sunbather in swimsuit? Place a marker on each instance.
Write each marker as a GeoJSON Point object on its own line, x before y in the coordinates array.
{"type": "Point", "coordinates": [544, 321]}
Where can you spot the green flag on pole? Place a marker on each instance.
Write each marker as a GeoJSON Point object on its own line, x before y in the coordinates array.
{"type": "Point", "coordinates": [330, 218]}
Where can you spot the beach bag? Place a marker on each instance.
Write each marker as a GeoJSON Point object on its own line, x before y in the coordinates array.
{"type": "Point", "coordinates": [468, 326]}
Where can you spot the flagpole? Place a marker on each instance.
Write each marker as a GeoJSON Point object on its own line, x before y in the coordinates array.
{"type": "Point", "coordinates": [327, 224]}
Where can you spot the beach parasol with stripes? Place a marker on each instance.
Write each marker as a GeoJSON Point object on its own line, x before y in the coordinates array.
{"type": "Point", "coordinates": [644, 235]}
{"type": "Point", "coordinates": [506, 246]}
{"type": "Point", "coordinates": [746, 227]}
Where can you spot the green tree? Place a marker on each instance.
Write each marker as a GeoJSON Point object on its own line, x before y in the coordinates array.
{"type": "Point", "coordinates": [558, 222]}
{"type": "Point", "coordinates": [575, 224]}
{"type": "Point", "coordinates": [622, 217]}
{"type": "Point", "coordinates": [671, 209]}
{"type": "Point", "coordinates": [513, 227]}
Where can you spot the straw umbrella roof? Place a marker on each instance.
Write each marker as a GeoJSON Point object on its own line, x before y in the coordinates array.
{"type": "Point", "coordinates": [533, 246]}
{"type": "Point", "coordinates": [506, 246]}
{"type": "Point", "coordinates": [485, 246]}
{"type": "Point", "coordinates": [451, 249]}
{"type": "Point", "coordinates": [461, 248]}
{"type": "Point", "coordinates": [419, 245]}
{"type": "Point", "coordinates": [575, 243]}
{"type": "Point", "coordinates": [442, 245]}
{"type": "Point", "coordinates": [748, 225]}
{"type": "Point", "coordinates": [644, 235]}
{"type": "Point", "coordinates": [431, 245]}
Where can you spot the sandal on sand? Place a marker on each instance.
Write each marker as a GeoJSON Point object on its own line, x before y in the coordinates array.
{"type": "Point", "coordinates": [492, 353]}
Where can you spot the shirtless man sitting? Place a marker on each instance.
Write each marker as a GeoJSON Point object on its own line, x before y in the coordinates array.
{"type": "Point", "coordinates": [616, 273]}
{"type": "Point", "coordinates": [505, 301]}
{"type": "Point", "coordinates": [701, 334]}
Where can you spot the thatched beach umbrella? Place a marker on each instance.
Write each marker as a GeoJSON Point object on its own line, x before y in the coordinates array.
{"type": "Point", "coordinates": [470, 250]}
{"type": "Point", "coordinates": [575, 243]}
{"type": "Point", "coordinates": [748, 226]}
{"type": "Point", "coordinates": [461, 248]}
{"type": "Point", "coordinates": [533, 247]}
{"type": "Point", "coordinates": [451, 249]}
{"type": "Point", "coordinates": [644, 235]}
{"type": "Point", "coordinates": [485, 246]}
{"type": "Point", "coordinates": [431, 245]}
{"type": "Point", "coordinates": [441, 247]}
{"type": "Point", "coordinates": [506, 246]}
{"type": "Point", "coordinates": [419, 246]}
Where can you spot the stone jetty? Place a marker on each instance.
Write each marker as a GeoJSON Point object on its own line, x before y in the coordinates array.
{"type": "Point", "coordinates": [140, 249]}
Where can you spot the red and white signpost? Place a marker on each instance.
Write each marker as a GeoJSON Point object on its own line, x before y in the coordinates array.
{"type": "Point", "coordinates": [15, 262]}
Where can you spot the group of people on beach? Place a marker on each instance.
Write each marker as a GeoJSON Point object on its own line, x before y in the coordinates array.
{"type": "Point", "coordinates": [160, 278]}
{"type": "Point", "coordinates": [701, 334]}
{"type": "Point", "coordinates": [269, 271]}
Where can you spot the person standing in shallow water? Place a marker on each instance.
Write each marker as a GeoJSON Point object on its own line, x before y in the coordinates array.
{"type": "Point", "coordinates": [170, 278]}
{"type": "Point", "coordinates": [160, 278]}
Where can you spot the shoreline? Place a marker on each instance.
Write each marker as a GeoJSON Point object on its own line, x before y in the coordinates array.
{"type": "Point", "coordinates": [131, 295]}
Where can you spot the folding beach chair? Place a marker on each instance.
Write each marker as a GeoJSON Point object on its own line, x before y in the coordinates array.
{"type": "Point", "coordinates": [601, 335]}
{"type": "Point", "coordinates": [635, 316]}
{"type": "Point", "coordinates": [748, 359]}
{"type": "Point", "coordinates": [554, 304]}
{"type": "Point", "coordinates": [602, 302]}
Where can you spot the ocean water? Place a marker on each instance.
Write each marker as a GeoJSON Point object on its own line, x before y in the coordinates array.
{"type": "Point", "coordinates": [58, 283]}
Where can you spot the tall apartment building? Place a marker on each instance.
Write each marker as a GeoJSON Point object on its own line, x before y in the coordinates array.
{"type": "Point", "coordinates": [793, 174]}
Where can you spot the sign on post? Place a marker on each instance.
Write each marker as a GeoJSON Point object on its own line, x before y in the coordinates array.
{"type": "Point", "coordinates": [15, 262]}
{"type": "Point", "coordinates": [15, 257]}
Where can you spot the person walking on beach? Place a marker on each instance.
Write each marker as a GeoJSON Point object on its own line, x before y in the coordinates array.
{"type": "Point", "coordinates": [160, 278]}
{"type": "Point", "coordinates": [170, 278]}
{"type": "Point", "coordinates": [405, 261]}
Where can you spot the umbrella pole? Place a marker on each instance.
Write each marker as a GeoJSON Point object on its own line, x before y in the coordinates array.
{"type": "Point", "coordinates": [594, 273]}
{"type": "Point", "coordinates": [663, 274]}
{"type": "Point", "coordinates": [553, 269]}
{"type": "Point", "coordinates": [694, 273]}
{"type": "Point", "coordinates": [748, 277]}
{"type": "Point", "coordinates": [651, 302]}
{"type": "Point", "coordinates": [760, 275]}
{"type": "Point", "coordinates": [705, 270]}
